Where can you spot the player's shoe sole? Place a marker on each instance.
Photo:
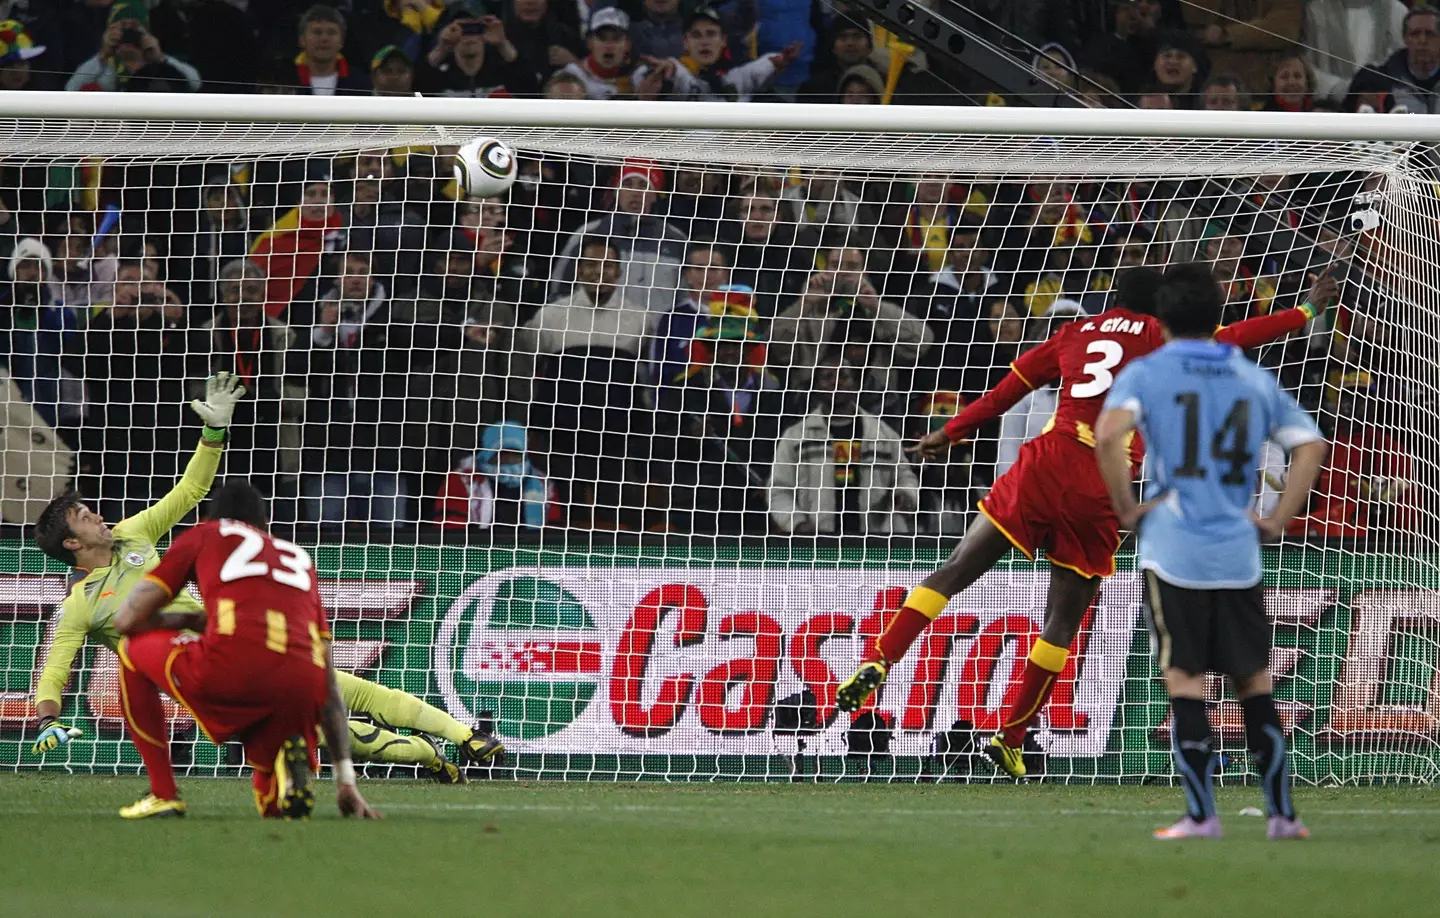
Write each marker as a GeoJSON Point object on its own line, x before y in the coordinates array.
{"type": "Point", "coordinates": [1006, 758]}
{"type": "Point", "coordinates": [1189, 828]}
{"type": "Point", "coordinates": [480, 748]}
{"type": "Point", "coordinates": [1281, 828]}
{"type": "Point", "coordinates": [152, 807]}
{"type": "Point", "coordinates": [856, 690]}
{"type": "Point", "coordinates": [294, 796]}
{"type": "Point", "coordinates": [443, 771]}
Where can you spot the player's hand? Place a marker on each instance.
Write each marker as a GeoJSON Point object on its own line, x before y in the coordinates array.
{"type": "Point", "coordinates": [347, 797]}
{"type": "Point", "coordinates": [1271, 529]}
{"type": "Point", "coordinates": [1325, 290]}
{"type": "Point", "coordinates": [1130, 518]}
{"type": "Point", "coordinates": [53, 735]}
{"type": "Point", "coordinates": [222, 391]}
{"type": "Point", "coordinates": [932, 445]}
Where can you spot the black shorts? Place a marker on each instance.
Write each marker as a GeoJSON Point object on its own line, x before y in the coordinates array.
{"type": "Point", "coordinates": [1200, 631]}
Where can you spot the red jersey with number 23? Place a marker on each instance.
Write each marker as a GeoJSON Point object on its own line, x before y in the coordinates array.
{"type": "Point", "coordinates": [260, 592]}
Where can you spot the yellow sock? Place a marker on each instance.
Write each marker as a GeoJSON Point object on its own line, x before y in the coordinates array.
{"type": "Point", "coordinates": [1048, 656]}
{"type": "Point", "coordinates": [394, 708]}
{"type": "Point", "coordinates": [370, 743]}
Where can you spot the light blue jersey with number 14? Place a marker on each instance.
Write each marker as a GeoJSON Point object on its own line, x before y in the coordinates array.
{"type": "Point", "coordinates": [1205, 410]}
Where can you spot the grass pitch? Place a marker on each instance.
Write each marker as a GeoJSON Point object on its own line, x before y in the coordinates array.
{"type": "Point", "coordinates": [683, 850]}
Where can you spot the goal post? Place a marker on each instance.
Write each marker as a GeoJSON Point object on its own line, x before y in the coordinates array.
{"type": "Point", "coordinates": [615, 462]}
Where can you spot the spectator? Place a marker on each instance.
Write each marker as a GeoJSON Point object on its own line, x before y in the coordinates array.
{"type": "Point", "coordinates": [1292, 87]}
{"type": "Point", "coordinates": [1246, 36]}
{"type": "Point", "coordinates": [821, 199]}
{"type": "Point", "coordinates": [937, 206]}
{"type": "Point", "coordinates": [725, 411]}
{"type": "Point", "coordinates": [544, 41]}
{"type": "Point", "coordinates": [603, 69]}
{"type": "Point", "coordinates": [650, 248]}
{"type": "Point", "coordinates": [38, 329]}
{"type": "Point", "coordinates": [953, 302]}
{"type": "Point", "coordinates": [500, 253]}
{"type": "Point", "coordinates": [1155, 96]}
{"type": "Point", "coordinates": [1343, 33]}
{"type": "Point", "coordinates": [419, 20]}
{"type": "Point", "coordinates": [1099, 90]}
{"type": "Point", "coordinates": [498, 487]}
{"type": "Point", "coordinates": [222, 235]}
{"type": "Point", "coordinates": [1178, 67]}
{"type": "Point", "coordinates": [841, 470]}
{"type": "Point", "coordinates": [127, 48]}
{"type": "Point", "coordinates": [840, 306]}
{"type": "Point", "coordinates": [1027, 418]}
{"type": "Point", "coordinates": [461, 63]}
{"type": "Point", "coordinates": [998, 343]}
{"type": "Point", "coordinates": [1246, 294]}
{"type": "Point", "coordinates": [456, 342]}
{"type": "Point", "coordinates": [266, 436]}
{"type": "Point", "coordinates": [705, 290]}
{"type": "Point", "coordinates": [381, 222]}
{"type": "Point", "coordinates": [1408, 77]}
{"type": "Point", "coordinates": [860, 85]}
{"type": "Point", "coordinates": [785, 31]}
{"type": "Point", "coordinates": [1367, 487]}
{"type": "Point", "coordinates": [1127, 52]}
{"type": "Point", "coordinates": [289, 252]}
{"type": "Point", "coordinates": [1055, 62]}
{"type": "Point", "coordinates": [577, 365]}
{"type": "Point", "coordinates": [771, 257]}
{"type": "Point", "coordinates": [660, 32]}
{"type": "Point", "coordinates": [696, 205]}
{"type": "Point", "coordinates": [320, 68]}
{"type": "Point", "coordinates": [17, 50]}
{"type": "Point", "coordinates": [356, 412]}
{"type": "Point", "coordinates": [850, 44]}
{"type": "Point", "coordinates": [1224, 92]}
{"type": "Point", "coordinates": [213, 34]}
{"type": "Point", "coordinates": [703, 73]}
{"type": "Point", "coordinates": [392, 72]}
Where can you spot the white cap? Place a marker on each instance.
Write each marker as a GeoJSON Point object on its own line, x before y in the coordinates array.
{"type": "Point", "coordinates": [611, 17]}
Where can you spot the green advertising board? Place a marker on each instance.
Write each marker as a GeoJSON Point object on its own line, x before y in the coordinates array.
{"type": "Point", "coordinates": [643, 663]}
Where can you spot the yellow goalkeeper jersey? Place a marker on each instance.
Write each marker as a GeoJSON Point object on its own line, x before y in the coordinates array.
{"type": "Point", "coordinates": [90, 608]}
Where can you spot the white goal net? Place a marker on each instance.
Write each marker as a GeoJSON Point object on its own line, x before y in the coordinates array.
{"type": "Point", "coordinates": [615, 462]}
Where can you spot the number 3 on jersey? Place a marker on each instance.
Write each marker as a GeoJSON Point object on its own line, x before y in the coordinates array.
{"type": "Point", "coordinates": [1100, 379]}
{"type": "Point", "coordinates": [241, 563]}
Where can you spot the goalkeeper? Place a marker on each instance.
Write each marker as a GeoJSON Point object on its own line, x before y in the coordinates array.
{"type": "Point", "coordinates": [109, 563]}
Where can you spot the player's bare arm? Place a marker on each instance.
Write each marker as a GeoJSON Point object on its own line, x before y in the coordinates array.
{"type": "Point", "coordinates": [1112, 452]}
{"type": "Point", "coordinates": [141, 607]}
{"type": "Point", "coordinates": [337, 735]}
{"type": "Point", "coordinates": [1305, 462]}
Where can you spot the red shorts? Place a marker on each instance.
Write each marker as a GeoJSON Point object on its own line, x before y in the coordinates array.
{"type": "Point", "coordinates": [260, 699]}
{"type": "Point", "coordinates": [1053, 498]}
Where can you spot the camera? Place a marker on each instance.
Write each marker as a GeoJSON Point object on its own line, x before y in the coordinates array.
{"type": "Point", "coordinates": [472, 27]}
{"type": "Point", "coordinates": [1366, 215]}
{"type": "Point", "coordinates": [132, 36]}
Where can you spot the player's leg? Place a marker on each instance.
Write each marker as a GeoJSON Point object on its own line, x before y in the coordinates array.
{"type": "Point", "coordinates": [1181, 622]}
{"type": "Point", "coordinates": [393, 708]}
{"type": "Point", "coordinates": [983, 545]}
{"type": "Point", "coordinates": [1066, 603]}
{"type": "Point", "coordinates": [142, 667]}
{"type": "Point", "coordinates": [282, 747]}
{"type": "Point", "coordinates": [374, 743]}
{"type": "Point", "coordinates": [1245, 648]}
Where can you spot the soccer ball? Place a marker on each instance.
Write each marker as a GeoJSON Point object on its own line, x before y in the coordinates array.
{"type": "Point", "coordinates": [485, 167]}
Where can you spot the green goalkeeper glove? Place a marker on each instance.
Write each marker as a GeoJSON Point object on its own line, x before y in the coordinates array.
{"type": "Point", "coordinates": [53, 734]}
{"type": "Point", "coordinates": [222, 391]}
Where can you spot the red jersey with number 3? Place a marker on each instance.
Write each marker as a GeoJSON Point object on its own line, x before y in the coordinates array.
{"type": "Point", "coordinates": [1085, 355]}
{"type": "Point", "coordinates": [260, 592]}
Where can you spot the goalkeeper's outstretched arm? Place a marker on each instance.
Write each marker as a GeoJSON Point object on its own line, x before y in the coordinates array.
{"type": "Point", "coordinates": [222, 392]}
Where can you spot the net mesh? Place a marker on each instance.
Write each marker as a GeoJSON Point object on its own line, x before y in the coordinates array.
{"type": "Point", "coordinates": [614, 463]}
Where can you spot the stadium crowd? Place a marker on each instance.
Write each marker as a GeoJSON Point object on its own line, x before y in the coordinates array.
{"type": "Point", "coordinates": [661, 347]}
